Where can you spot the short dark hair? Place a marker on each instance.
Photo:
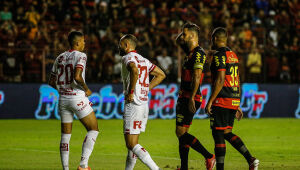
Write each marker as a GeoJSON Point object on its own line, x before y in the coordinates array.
{"type": "Point", "coordinates": [192, 27]}
{"type": "Point", "coordinates": [72, 37]}
{"type": "Point", "coordinates": [131, 38]}
{"type": "Point", "coordinates": [219, 32]}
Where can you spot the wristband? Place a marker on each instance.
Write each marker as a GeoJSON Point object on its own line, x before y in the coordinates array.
{"type": "Point", "coordinates": [131, 91]}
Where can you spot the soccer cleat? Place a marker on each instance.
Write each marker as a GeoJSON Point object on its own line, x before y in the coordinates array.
{"type": "Point", "coordinates": [79, 168]}
{"type": "Point", "coordinates": [210, 163]}
{"type": "Point", "coordinates": [253, 165]}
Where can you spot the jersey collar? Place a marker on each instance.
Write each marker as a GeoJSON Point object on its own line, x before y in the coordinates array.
{"type": "Point", "coordinates": [71, 50]}
{"type": "Point", "coordinates": [133, 51]}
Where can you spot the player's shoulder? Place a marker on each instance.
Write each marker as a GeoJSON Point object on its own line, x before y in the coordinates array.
{"type": "Point", "coordinates": [60, 57]}
{"type": "Point", "coordinates": [128, 56]}
{"type": "Point", "coordinates": [133, 56]}
{"type": "Point", "coordinates": [79, 53]}
{"type": "Point", "coordinates": [199, 50]}
{"type": "Point", "coordinates": [222, 51]}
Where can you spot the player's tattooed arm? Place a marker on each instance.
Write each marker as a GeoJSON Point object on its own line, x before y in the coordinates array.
{"type": "Point", "coordinates": [195, 85]}
{"type": "Point", "coordinates": [133, 79]}
{"type": "Point", "coordinates": [52, 81]}
{"type": "Point", "coordinates": [79, 80]}
{"type": "Point", "coordinates": [159, 76]}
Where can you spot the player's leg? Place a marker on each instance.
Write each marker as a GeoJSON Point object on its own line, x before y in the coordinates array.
{"type": "Point", "coordinates": [186, 140]}
{"type": "Point", "coordinates": [218, 125]}
{"type": "Point", "coordinates": [91, 124]}
{"type": "Point", "coordinates": [133, 145]}
{"type": "Point", "coordinates": [237, 142]}
{"type": "Point", "coordinates": [66, 130]}
{"type": "Point", "coordinates": [134, 121]}
{"type": "Point", "coordinates": [87, 117]}
{"type": "Point", "coordinates": [130, 160]}
{"type": "Point", "coordinates": [183, 149]}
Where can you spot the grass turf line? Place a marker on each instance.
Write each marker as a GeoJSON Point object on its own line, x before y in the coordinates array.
{"type": "Point", "coordinates": [34, 144]}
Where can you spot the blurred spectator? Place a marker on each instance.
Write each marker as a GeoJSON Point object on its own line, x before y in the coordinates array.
{"type": "Point", "coordinates": [298, 70]}
{"type": "Point", "coordinates": [37, 29]}
{"type": "Point", "coordinates": [262, 4]}
{"type": "Point", "coordinates": [33, 66]}
{"type": "Point", "coordinates": [32, 16]}
{"type": "Point", "coordinates": [165, 61]}
{"type": "Point", "coordinates": [272, 63]}
{"type": "Point", "coordinates": [12, 67]}
{"type": "Point", "coordinates": [246, 36]}
{"type": "Point", "coordinates": [49, 60]}
{"type": "Point", "coordinates": [5, 15]}
{"type": "Point", "coordinates": [94, 68]}
{"type": "Point", "coordinates": [205, 18]}
{"type": "Point", "coordinates": [285, 75]}
{"type": "Point", "coordinates": [254, 64]}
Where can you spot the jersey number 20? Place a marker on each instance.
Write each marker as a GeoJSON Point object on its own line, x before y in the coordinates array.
{"type": "Point", "coordinates": [68, 69]}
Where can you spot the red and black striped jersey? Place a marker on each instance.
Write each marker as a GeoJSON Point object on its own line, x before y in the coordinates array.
{"type": "Point", "coordinates": [226, 60]}
{"type": "Point", "coordinates": [195, 60]}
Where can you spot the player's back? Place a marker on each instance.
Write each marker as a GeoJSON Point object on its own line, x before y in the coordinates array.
{"type": "Point", "coordinates": [144, 67]}
{"type": "Point", "coordinates": [64, 68]}
{"type": "Point", "coordinates": [226, 60]}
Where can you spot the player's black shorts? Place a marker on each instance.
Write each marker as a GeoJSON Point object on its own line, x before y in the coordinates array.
{"type": "Point", "coordinates": [222, 118]}
{"type": "Point", "coordinates": [183, 116]}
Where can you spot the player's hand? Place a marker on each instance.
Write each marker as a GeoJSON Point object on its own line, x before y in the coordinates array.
{"type": "Point", "coordinates": [208, 108]}
{"type": "Point", "coordinates": [129, 98]}
{"type": "Point", "coordinates": [88, 93]}
{"type": "Point", "coordinates": [239, 114]}
{"type": "Point", "coordinates": [192, 107]}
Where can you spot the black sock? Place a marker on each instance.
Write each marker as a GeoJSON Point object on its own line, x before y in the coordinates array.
{"type": "Point", "coordinates": [220, 148]}
{"type": "Point", "coordinates": [184, 156]}
{"type": "Point", "coordinates": [184, 153]}
{"type": "Point", "coordinates": [193, 142]}
{"type": "Point", "coordinates": [238, 144]}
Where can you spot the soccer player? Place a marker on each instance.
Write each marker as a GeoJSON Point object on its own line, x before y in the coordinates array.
{"type": "Point", "coordinates": [68, 77]}
{"type": "Point", "coordinates": [136, 86]}
{"type": "Point", "coordinates": [223, 104]}
{"type": "Point", "coordinates": [189, 99]}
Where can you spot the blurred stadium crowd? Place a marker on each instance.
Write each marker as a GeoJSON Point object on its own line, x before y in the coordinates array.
{"type": "Point", "coordinates": [264, 33]}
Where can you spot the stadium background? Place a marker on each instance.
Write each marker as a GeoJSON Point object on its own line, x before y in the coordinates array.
{"type": "Point", "coordinates": [264, 34]}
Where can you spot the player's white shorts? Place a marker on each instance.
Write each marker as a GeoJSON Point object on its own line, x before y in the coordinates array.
{"type": "Point", "coordinates": [67, 108]}
{"type": "Point", "coordinates": [135, 118]}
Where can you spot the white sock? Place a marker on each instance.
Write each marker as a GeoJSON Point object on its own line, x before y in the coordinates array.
{"type": "Point", "coordinates": [130, 160]}
{"type": "Point", "coordinates": [144, 156]}
{"type": "Point", "coordinates": [87, 147]}
{"type": "Point", "coordinates": [64, 150]}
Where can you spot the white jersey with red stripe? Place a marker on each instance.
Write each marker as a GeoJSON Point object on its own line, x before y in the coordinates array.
{"type": "Point", "coordinates": [144, 67]}
{"type": "Point", "coordinates": [64, 70]}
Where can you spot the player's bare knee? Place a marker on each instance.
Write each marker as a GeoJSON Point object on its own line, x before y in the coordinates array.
{"type": "Point", "coordinates": [130, 145]}
{"type": "Point", "coordinates": [227, 131]}
{"type": "Point", "coordinates": [92, 127]}
{"type": "Point", "coordinates": [179, 131]}
{"type": "Point", "coordinates": [66, 128]}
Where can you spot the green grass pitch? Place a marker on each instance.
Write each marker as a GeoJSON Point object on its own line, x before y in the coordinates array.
{"type": "Point", "coordinates": [34, 144]}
